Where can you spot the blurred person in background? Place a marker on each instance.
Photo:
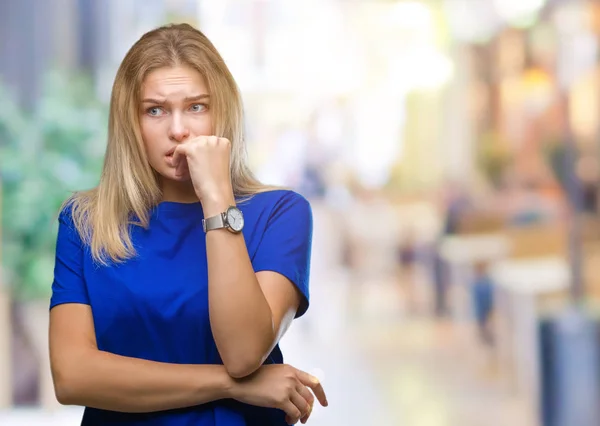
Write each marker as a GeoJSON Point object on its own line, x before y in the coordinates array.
{"type": "Point", "coordinates": [176, 277]}
{"type": "Point", "coordinates": [455, 204]}
{"type": "Point", "coordinates": [407, 259]}
{"type": "Point", "coordinates": [482, 294]}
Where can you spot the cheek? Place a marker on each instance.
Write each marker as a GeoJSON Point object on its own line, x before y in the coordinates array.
{"type": "Point", "coordinates": [202, 126]}
{"type": "Point", "coordinates": [150, 139]}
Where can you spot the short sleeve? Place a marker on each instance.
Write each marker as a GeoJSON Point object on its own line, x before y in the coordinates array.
{"type": "Point", "coordinates": [69, 283]}
{"type": "Point", "coordinates": [285, 246]}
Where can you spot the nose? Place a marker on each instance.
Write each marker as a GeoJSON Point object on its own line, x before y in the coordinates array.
{"type": "Point", "coordinates": [178, 130]}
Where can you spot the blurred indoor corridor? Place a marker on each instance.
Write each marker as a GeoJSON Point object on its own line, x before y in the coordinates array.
{"type": "Point", "coordinates": [382, 362]}
{"type": "Point", "coordinates": [450, 153]}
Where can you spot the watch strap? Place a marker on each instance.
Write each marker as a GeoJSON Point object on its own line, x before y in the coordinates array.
{"type": "Point", "coordinates": [215, 222]}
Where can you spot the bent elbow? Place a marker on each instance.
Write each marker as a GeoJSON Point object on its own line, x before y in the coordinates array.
{"type": "Point", "coordinates": [243, 367]}
{"type": "Point", "coordinates": [64, 392]}
{"type": "Point", "coordinates": [246, 357]}
{"type": "Point", "coordinates": [65, 389]}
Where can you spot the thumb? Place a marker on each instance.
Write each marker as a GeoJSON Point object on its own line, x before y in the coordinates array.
{"type": "Point", "coordinates": [180, 160]}
{"type": "Point", "coordinates": [178, 155]}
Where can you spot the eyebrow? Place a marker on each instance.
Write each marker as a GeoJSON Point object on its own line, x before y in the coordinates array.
{"type": "Point", "coordinates": [186, 99]}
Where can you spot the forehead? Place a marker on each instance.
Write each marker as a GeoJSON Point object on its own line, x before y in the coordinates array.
{"type": "Point", "coordinates": [172, 81]}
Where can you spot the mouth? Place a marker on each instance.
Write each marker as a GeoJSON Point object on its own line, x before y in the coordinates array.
{"type": "Point", "coordinates": [170, 152]}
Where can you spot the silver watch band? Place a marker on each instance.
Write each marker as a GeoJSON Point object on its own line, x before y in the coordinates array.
{"type": "Point", "coordinates": [214, 222]}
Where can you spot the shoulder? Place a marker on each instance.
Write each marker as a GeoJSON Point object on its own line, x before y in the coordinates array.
{"type": "Point", "coordinates": [277, 202]}
{"type": "Point", "coordinates": [275, 198]}
{"type": "Point", "coordinates": [74, 213]}
{"type": "Point", "coordinates": [68, 210]}
{"type": "Point", "coordinates": [65, 213]}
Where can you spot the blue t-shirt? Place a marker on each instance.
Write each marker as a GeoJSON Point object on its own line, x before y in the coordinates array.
{"type": "Point", "coordinates": [155, 306]}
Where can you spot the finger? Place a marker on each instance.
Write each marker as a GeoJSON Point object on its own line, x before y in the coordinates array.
{"type": "Point", "coordinates": [306, 416]}
{"type": "Point", "coordinates": [182, 167]}
{"type": "Point", "coordinates": [301, 404]}
{"type": "Point", "coordinates": [179, 154]}
{"type": "Point", "coordinates": [313, 383]}
{"type": "Point", "coordinates": [180, 160]}
{"type": "Point", "coordinates": [292, 413]}
{"type": "Point", "coordinates": [308, 396]}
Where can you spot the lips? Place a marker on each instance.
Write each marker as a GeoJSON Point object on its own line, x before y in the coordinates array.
{"type": "Point", "coordinates": [170, 152]}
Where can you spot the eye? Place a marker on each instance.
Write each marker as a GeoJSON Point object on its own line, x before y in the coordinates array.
{"type": "Point", "coordinates": [154, 111]}
{"type": "Point", "coordinates": [199, 107]}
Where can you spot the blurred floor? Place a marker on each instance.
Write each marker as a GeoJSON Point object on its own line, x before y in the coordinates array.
{"type": "Point", "coordinates": [69, 416]}
{"type": "Point", "coordinates": [378, 368]}
{"type": "Point", "coordinates": [388, 368]}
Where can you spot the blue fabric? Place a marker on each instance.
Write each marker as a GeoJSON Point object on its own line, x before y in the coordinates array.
{"type": "Point", "coordinates": [155, 306]}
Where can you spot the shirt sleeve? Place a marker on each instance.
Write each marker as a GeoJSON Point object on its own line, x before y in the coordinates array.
{"type": "Point", "coordinates": [286, 244]}
{"type": "Point", "coordinates": [69, 283]}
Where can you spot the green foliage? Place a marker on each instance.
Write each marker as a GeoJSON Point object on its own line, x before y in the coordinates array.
{"type": "Point", "coordinates": [44, 156]}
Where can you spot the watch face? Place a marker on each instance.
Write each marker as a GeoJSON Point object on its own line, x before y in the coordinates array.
{"type": "Point", "coordinates": [235, 218]}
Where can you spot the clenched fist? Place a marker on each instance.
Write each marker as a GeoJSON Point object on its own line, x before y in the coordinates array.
{"type": "Point", "coordinates": [206, 160]}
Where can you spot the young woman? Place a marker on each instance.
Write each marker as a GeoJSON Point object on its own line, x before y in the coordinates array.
{"type": "Point", "coordinates": [178, 274]}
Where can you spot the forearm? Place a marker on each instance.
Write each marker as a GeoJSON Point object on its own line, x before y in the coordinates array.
{"type": "Point", "coordinates": [103, 380]}
{"type": "Point", "coordinates": [240, 317]}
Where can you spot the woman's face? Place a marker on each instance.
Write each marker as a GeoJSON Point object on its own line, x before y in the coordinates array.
{"type": "Point", "coordinates": [175, 107]}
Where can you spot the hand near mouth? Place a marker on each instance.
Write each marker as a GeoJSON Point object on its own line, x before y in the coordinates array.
{"type": "Point", "coordinates": [206, 159]}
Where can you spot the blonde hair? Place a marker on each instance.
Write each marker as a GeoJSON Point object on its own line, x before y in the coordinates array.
{"type": "Point", "coordinates": [129, 187]}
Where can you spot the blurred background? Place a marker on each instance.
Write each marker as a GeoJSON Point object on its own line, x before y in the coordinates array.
{"type": "Point", "coordinates": [450, 150]}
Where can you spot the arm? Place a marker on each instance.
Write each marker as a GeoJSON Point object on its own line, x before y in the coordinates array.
{"type": "Point", "coordinates": [249, 312]}
{"type": "Point", "coordinates": [84, 375]}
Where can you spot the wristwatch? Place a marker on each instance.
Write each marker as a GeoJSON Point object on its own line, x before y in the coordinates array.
{"type": "Point", "coordinates": [232, 219]}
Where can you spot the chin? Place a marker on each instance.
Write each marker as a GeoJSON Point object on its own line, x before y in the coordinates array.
{"type": "Point", "coordinates": [169, 174]}
{"type": "Point", "coordinates": [182, 179]}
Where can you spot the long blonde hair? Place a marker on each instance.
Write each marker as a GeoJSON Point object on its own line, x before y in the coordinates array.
{"type": "Point", "coordinates": [129, 187]}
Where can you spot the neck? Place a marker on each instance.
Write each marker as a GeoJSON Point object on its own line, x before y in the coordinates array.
{"type": "Point", "coordinates": [179, 192]}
